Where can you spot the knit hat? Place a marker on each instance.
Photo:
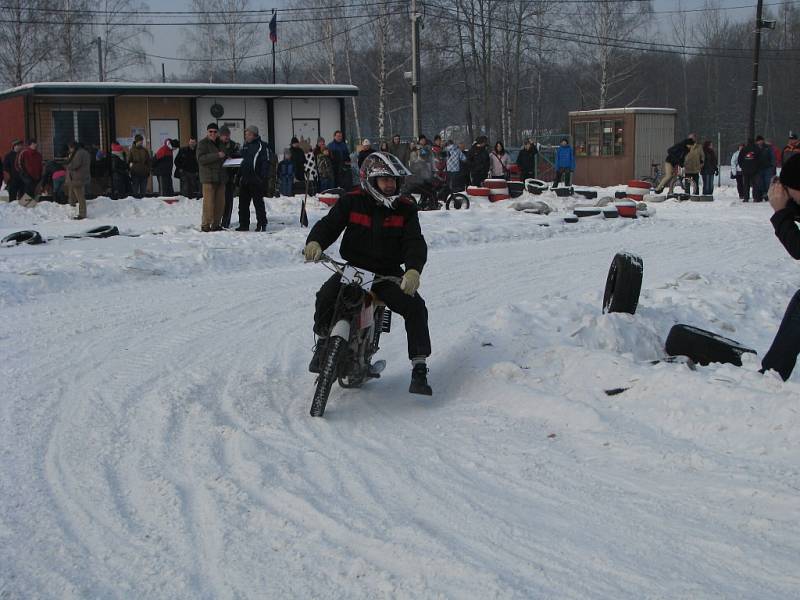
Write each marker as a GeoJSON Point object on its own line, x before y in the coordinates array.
{"type": "Point", "coordinates": [759, 138]}
{"type": "Point", "coordinates": [224, 130]}
{"type": "Point", "coordinates": [792, 135]}
{"type": "Point", "coordinates": [294, 141]}
{"type": "Point", "coordinates": [252, 129]}
{"type": "Point", "coordinates": [16, 142]}
{"type": "Point", "coordinates": [212, 126]}
{"type": "Point", "coordinates": [116, 148]}
{"type": "Point", "coordinates": [138, 138]}
{"type": "Point", "coordinates": [366, 143]}
{"type": "Point", "coordinates": [790, 173]}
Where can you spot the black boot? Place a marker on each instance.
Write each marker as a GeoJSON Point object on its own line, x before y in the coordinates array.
{"type": "Point", "coordinates": [261, 226]}
{"type": "Point", "coordinates": [243, 228]}
{"type": "Point", "coordinates": [319, 353]}
{"type": "Point", "coordinates": [419, 380]}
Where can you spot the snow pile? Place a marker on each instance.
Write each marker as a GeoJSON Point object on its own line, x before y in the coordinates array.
{"type": "Point", "coordinates": [155, 437]}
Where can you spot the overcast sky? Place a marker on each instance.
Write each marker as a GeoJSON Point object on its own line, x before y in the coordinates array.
{"type": "Point", "coordinates": [168, 39]}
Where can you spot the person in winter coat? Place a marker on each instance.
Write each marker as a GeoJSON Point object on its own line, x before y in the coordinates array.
{"type": "Point", "coordinates": [11, 176]}
{"type": "Point", "coordinates": [30, 166]}
{"type": "Point", "coordinates": [736, 172]}
{"type": "Point", "coordinates": [676, 155]}
{"type": "Point", "coordinates": [792, 147]}
{"type": "Point", "coordinates": [210, 157]}
{"type": "Point", "coordinates": [499, 161]}
{"type": "Point", "coordinates": [162, 167]}
{"type": "Point", "coordinates": [78, 177]}
{"type": "Point", "coordinates": [340, 155]}
{"type": "Point", "coordinates": [254, 179]}
{"type": "Point", "coordinates": [325, 173]}
{"type": "Point", "coordinates": [478, 159]}
{"type": "Point", "coordinates": [120, 177]}
{"type": "Point", "coordinates": [750, 164]}
{"type": "Point", "coordinates": [139, 165]}
{"type": "Point", "coordinates": [710, 167]}
{"type": "Point", "coordinates": [439, 162]}
{"type": "Point", "coordinates": [400, 149]}
{"type": "Point", "coordinates": [298, 158]}
{"type": "Point", "coordinates": [231, 150]}
{"type": "Point", "coordinates": [366, 150]}
{"type": "Point", "coordinates": [187, 169]}
{"type": "Point", "coordinates": [286, 174]}
{"type": "Point", "coordinates": [767, 165]}
{"type": "Point", "coordinates": [784, 197]}
{"type": "Point", "coordinates": [455, 162]}
{"type": "Point", "coordinates": [382, 234]}
{"type": "Point", "coordinates": [421, 161]}
{"type": "Point", "coordinates": [692, 165]}
{"type": "Point", "coordinates": [564, 163]}
{"type": "Point", "coordinates": [526, 160]}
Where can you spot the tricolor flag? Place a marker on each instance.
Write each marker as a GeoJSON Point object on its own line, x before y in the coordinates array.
{"type": "Point", "coordinates": [273, 28]}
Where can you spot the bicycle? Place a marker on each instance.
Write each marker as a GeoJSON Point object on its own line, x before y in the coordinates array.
{"type": "Point", "coordinates": [359, 318]}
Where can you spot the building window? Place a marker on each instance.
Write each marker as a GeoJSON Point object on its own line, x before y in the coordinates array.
{"type": "Point", "coordinates": [80, 125]}
{"type": "Point", "coordinates": [598, 138]}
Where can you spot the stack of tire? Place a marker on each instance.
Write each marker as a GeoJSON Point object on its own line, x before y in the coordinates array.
{"type": "Point", "coordinates": [498, 189]}
{"type": "Point", "coordinates": [477, 193]}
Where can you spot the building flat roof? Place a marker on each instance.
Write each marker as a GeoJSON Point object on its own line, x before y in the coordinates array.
{"type": "Point", "coordinates": [197, 90]}
{"type": "Point", "coordinates": [623, 111]}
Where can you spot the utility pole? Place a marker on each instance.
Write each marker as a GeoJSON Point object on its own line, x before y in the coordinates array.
{"type": "Point", "coordinates": [760, 24]}
{"type": "Point", "coordinates": [415, 69]}
{"type": "Point", "coordinates": [100, 58]}
{"type": "Point", "coordinates": [163, 74]}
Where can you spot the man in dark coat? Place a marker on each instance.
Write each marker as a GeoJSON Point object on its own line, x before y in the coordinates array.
{"type": "Point", "coordinates": [30, 166]}
{"type": "Point", "coordinates": [784, 197]}
{"type": "Point", "coordinates": [750, 164]}
{"type": "Point", "coordinates": [478, 159]}
{"type": "Point", "coordinates": [381, 234]}
{"type": "Point", "coordinates": [298, 157]}
{"type": "Point", "coordinates": [340, 154]}
{"type": "Point", "coordinates": [186, 168]}
{"type": "Point", "coordinates": [254, 175]}
{"type": "Point", "coordinates": [526, 160]}
{"type": "Point", "coordinates": [10, 174]}
{"type": "Point", "coordinates": [675, 156]}
{"type": "Point", "coordinates": [231, 150]}
{"type": "Point", "coordinates": [162, 167]}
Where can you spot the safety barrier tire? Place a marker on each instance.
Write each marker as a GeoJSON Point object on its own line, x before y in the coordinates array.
{"type": "Point", "coordinates": [458, 200]}
{"type": "Point", "coordinates": [27, 236]}
{"type": "Point", "coordinates": [623, 284]}
{"type": "Point", "coordinates": [105, 231]}
{"type": "Point", "coordinates": [704, 347]}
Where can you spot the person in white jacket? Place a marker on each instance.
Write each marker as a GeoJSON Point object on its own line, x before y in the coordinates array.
{"type": "Point", "coordinates": [736, 173]}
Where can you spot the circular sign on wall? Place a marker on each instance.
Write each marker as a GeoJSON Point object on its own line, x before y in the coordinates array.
{"type": "Point", "coordinates": [217, 111]}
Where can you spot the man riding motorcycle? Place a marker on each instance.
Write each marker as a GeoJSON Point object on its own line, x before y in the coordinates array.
{"type": "Point", "coordinates": [381, 233]}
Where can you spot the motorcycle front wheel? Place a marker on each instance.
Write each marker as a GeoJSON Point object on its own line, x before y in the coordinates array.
{"type": "Point", "coordinates": [329, 372]}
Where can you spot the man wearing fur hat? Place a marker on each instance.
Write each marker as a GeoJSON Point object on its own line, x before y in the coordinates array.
{"type": "Point", "coordinates": [784, 197]}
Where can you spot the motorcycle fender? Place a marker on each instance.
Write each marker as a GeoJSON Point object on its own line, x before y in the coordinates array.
{"type": "Point", "coordinates": [341, 329]}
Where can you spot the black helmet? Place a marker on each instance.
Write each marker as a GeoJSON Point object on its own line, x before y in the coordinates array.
{"type": "Point", "coordinates": [382, 164]}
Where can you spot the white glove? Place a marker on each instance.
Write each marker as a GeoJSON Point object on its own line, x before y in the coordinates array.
{"type": "Point", "coordinates": [410, 282]}
{"type": "Point", "coordinates": [312, 251]}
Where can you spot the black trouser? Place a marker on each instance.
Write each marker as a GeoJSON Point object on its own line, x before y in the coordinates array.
{"type": "Point", "coordinates": [477, 177]}
{"type": "Point", "coordinates": [782, 355]}
{"type": "Point", "coordinates": [751, 182]}
{"type": "Point", "coordinates": [226, 213]}
{"type": "Point", "coordinates": [29, 185]}
{"type": "Point", "coordinates": [120, 184]}
{"type": "Point", "coordinates": [14, 187]}
{"type": "Point", "coordinates": [740, 187]}
{"type": "Point", "coordinates": [139, 185]}
{"type": "Point", "coordinates": [411, 308]}
{"type": "Point", "coordinates": [165, 185]}
{"type": "Point", "coordinates": [566, 174]}
{"type": "Point", "coordinates": [248, 191]}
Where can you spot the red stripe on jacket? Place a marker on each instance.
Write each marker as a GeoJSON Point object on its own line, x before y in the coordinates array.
{"type": "Point", "coordinates": [361, 219]}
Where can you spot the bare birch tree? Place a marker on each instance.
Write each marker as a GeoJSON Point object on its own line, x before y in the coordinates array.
{"type": "Point", "coordinates": [23, 41]}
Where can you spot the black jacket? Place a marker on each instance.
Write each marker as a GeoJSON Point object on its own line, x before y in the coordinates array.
{"type": "Point", "coordinates": [710, 164]}
{"type": "Point", "coordinates": [299, 162]}
{"type": "Point", "coordinates": [749, 160]}
{"type": "Point", "coordinates": [526, 160]}
{"type": "Point", "coordinates": [478, 159]}
{"type": "Point", "coordinates": [255, 167]}
{"type": "Point", "coordinates": [677, 153]}
{"type": "Point", "coordinates": [375, 238]}
{"type": "Point", "coordinates": [10, 166]}
{"type": "Point", "coordinates": [186, 160]}
{"type": "Point", "coordinates": [785, 223]}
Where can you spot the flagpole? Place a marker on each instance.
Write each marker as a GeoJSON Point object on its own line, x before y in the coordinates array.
{"type": "Point", "coordinates": [273, 51]}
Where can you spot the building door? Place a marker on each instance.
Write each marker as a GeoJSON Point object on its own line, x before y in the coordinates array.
{"type": "Point", "coordinates": [307, 131]}
{"type": "Point", "coordinates": [160, 130]}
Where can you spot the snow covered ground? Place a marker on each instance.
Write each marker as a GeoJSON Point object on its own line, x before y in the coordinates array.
{"type": "Point", "coordinates": [155, 439]}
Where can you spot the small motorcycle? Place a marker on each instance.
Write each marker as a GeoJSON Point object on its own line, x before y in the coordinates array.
{"type": "Point", "coordinates": [359, 318]}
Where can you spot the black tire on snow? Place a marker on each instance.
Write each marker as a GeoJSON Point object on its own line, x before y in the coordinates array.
{"type": "Point", "coordinates": [624, 284]}
{"type": "Point", "coordinates": [704, 347]}
{"type": "Point", "coordinates": [106, 231]}
{"type": "Point", "coordinates": [329, 372]}
{"type": "Point", "coordinates": [23, 237]}
{"type": "Point", "coordinates": [458, 200]}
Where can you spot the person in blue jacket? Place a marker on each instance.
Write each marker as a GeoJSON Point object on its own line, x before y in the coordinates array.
{"type": "Point", "coordinates": [565, 163]}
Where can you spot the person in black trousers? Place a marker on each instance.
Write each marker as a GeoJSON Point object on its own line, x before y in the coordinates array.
{"type": "Point", "coordinates": [784, 197]}
{"type": "Point", "coordinates": [254, 176]}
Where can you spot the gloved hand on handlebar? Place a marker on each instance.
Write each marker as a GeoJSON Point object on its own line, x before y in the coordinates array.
{"type": "Point", "coordinates": [410, 282]}
{"type": "Point", "coordinates": [312, 251]}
